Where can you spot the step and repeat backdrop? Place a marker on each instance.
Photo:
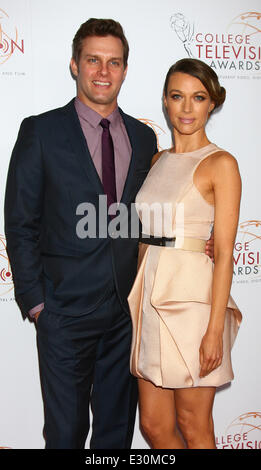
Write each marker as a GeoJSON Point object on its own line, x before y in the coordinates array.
{"type": "Point", "coordinates": [35, 50]}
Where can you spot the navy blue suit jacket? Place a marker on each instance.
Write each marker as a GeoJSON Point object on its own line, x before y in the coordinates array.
{"type": "Point", "coordinates": [51, 172]}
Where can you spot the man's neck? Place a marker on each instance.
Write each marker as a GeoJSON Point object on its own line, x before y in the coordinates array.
{"type": "Point", "coordinates": [103, 109]}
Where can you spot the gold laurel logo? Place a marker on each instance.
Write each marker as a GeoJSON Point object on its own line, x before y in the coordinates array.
{"type": "Point", "coordinates": [251, 229]}
{"type": "Point", "coordinates": [249, 23]}
{"type": "Point", "coordinates": [246, 423]}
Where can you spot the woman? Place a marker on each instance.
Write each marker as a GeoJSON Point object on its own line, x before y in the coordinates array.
{"type": "Point", "coordinates": [184, 320]}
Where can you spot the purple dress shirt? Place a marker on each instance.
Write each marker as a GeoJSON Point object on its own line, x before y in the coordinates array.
{"type": "Point", "coordinates": [90, 124]}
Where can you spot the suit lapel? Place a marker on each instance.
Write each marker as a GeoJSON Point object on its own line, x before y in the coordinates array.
{"type": "Point", "coordinates": [79, 146]}
{"type": "Point", "coordinates": [127, 191]}
{"type": "Point", "coordinates": [80, 149]}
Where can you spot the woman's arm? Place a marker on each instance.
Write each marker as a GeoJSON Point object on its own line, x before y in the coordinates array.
{"type": "Point", "coordinates": [226, 184]}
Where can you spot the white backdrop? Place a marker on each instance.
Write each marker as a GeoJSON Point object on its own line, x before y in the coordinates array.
{"type": "Point", "coordinates": [35, 49]}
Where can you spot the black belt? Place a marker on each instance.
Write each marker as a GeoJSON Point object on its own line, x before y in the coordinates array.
{"type": "Point", "coordinates": [159, 241]}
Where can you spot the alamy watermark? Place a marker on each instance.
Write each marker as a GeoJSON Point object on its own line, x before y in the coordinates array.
{"type": "Point", "coordinates": [119, 220]}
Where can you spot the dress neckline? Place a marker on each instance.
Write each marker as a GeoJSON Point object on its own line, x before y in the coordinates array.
{"type": "Point", "coordinates": [193, 151]}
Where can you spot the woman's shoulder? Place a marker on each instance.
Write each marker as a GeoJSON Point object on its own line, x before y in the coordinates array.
{"type": "Point", "coordinates": [222, 159]}
{"type": "Point", "coordinates": [223, 167]}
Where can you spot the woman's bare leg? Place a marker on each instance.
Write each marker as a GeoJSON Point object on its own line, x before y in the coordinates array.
{"type": "Point", "coordinates": [194, 416]}
{"type": "Point", "coordinates": [158, 416]}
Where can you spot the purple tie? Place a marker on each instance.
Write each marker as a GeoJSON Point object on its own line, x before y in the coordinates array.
{"type": "Point", "coordinates": [108, 165]}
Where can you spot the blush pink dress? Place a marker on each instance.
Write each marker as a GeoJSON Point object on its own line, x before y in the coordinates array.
{"type": "Point", "coordinates": [170, 301]}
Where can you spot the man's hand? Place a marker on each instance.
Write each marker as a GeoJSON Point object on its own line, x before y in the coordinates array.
{"type": "Point", "coordinates": [35, 312]}
{"type": "Point", "coordinates": [36, 315]}
{"type": "Point", "coordinates": [209, 250]}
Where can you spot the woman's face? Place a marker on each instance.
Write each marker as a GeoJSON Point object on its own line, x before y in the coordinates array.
{"type": "Point", "coordinates": [188, 103]}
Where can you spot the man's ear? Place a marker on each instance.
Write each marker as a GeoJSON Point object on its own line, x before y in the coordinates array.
{"type": "Point", "coordinates": [125, 72]}
{"type": "Point", "coordinates": [74, 67]}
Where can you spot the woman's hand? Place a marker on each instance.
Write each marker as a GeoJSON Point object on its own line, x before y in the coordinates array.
{"type": "Point", "coordinates": [142, 250]}
{"type": "Point", "coordinates": [210, 352]}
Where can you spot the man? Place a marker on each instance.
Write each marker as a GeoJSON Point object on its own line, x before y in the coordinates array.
{"type": "Point", "coordinates": [58, 163]}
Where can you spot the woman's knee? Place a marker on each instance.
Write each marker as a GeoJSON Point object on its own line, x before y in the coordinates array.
{"type": "Point", "coordinates": [186, 423]}
{"type": "Point", "coordinates": [194, 426]}
{"type": "Point", "coordinates": [150, 426]}
{"type": "Point", "coordinates": [155, 427]}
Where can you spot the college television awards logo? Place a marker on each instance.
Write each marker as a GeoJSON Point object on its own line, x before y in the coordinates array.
{"type": "Point", "coordinates": [6, 278]}
{"type": "Point", "coordinates": [234, 48]}
{"type": "Point", "coordinates": [247, 252]}
{"type": "Point", "coordinates": [243, 433]}
{"type": "Point", "coordinates": [10, 42]}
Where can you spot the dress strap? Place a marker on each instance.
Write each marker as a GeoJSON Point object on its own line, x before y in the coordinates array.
{"type": "Point", "coordinates": [211, 152]}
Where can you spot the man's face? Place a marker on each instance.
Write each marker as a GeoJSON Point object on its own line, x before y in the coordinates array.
{"type": "Point", "coordinates": [100, 73]}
